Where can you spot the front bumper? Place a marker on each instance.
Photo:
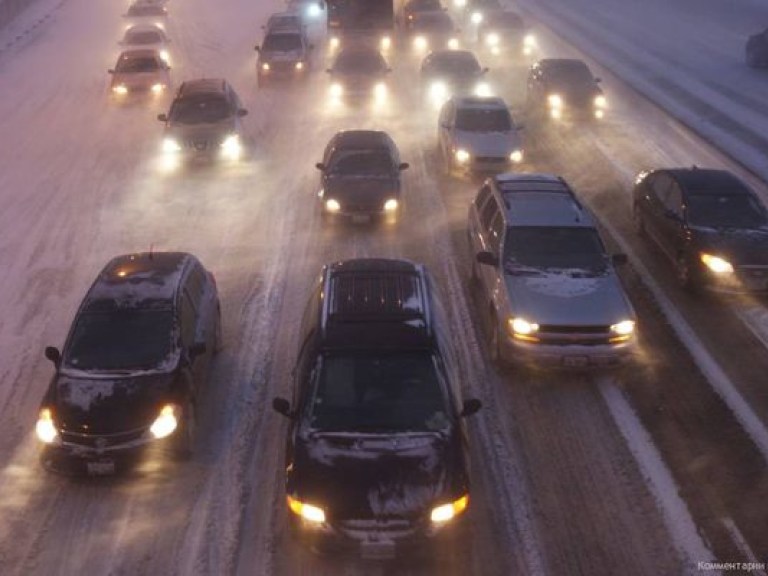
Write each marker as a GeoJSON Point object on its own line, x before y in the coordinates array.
{"type": "Point", "coordinates": [569, 356]}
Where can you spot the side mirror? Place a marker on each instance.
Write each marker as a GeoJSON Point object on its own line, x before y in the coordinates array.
{"type": "Point", "coordinates": [389, 70]}
{"type": "Point", "coordinates": [110, 71]}
{"type": "Point", "coordinates": [162, 117]}
{"type": "Point", "coordinates": [619, 259]}
{"type": "Point", "coordinates": [328, 71]}
{"type": "Point", "coordinates": [53, 354]}
{"type": "Point", "coordinates": [403, 166]}
{"type": "Point", "coordinates": [242, 112]}
{"type": "Point", "coordinates": [488, 258]}
{"type": "Point", "coordinates": [197, 349]}
{"type": "Point", "coordinates": [598, 80]}
{"type": "Point", "coordinates": [471, 406]}
{"type": "Point", "coordinates": [282, 406]}
{"type": "Point", "coordinates": [320, 166]}
{"type": "Point", "coordinates": [257, 48]}
{"type": "Point", "coordinates": [446, 125]}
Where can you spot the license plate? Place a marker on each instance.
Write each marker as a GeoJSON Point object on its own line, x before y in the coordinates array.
{"type": "Point", "coordinates": [377, 550]}
{"type": "Point", "coordinates": [101, 467]}
{"type": "Point", "coordinates": [361, 218]}
{"type": "Point", "coordinates": [575, 361]}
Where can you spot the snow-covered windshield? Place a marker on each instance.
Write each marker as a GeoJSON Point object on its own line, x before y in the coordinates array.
{"type": "Point", "coordinates": [131, 65]}
{"type": "Point", "coordinates": [725, 211]}
{"type": "Point", "coordinates": [361, 162]}
{"type": "Point", "coordinates": [395, 392]}
{"type": "Point", "coordinates": [200, 110]}
{"type": "Point", "coordinates": [483, 120]}
{"type": "Point", "coordinates": [120, 339]}
{"type": "Point", "coordinates": [529, 249]}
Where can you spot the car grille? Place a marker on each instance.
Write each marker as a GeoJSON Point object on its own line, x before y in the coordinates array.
{"type": "Point", "coordinates": [199, 145]}
{"type": "Point", "coordinates": [388, 528]}
{"type": "Point", "coordinates": [101, 441]}
{"type": "Point", "coordinates": [556, 335]}
{"type": "Point", "coordinates": [491, 160]}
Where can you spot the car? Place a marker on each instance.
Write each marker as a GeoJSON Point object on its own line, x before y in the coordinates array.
{"type": "Point", "coordinates": [308, 10]}
{"type": "Point", "coordinates": [284, 53]}
{"type": "Point", "coordinates": [756, 50]}
{"type": "Point", "coordinates": [147, 36]}
{"type": "Point", "coordinates": [505, 32]}
{"type": "Point", "coordinates": [204, 123]}
{"type": "Point", "coordinates": [412, 8]}
{"type": "Point", "coordinates": [359, 72]}
{"type": "Point", "coordinates": [477, 11]}
{"type": "Point", "coordinates": [447, 72]}
{"type": "Point", "coordinates": [134, 365]}
{"type": "Point", "coordinates": [564, 87]}
{"type": "Point", "coordinates": [477, 135]}
{"type": "Point", "coordinates": [284, 21]}
{"type": "Point", "coordinates": [547, 286]}
{"type": "Point", "coordinates": [140, 71]}
{"type": "Point", "coordinates": [141, 8]}
{"type": "Point", "coordinates": [360, 176]}
{"type": "Point", "coordinates": [708, 222]}
{"type": "Point", "coordinates": [432, 31]}
{"type": "Point", "coordinates": [376, 459]}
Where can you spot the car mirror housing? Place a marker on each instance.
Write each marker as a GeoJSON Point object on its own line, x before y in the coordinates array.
{"type": "Point", "coordinates": [257, 48]}
{"type": "Point", "coordinates": [404, 166]}
{"type": "Point", "coordinates": [242, 112]}
{"type": "Point", "coordinates": [320, 166]}
{"type": "Point", "coordinates": [282, 406]}
{"type": "Point", "coordinates": [52, 353]}
{"type": "Point", "coordinates": [471, 406]}
{"type": "Point", "coordinates": [488, 258]}
{"type": "Point", "coordinates": [162, 117]}
{"type": "Point", "coordinates": [110, 71]}
{"type": "Point", "coordinates": [485, 70]}
{"type": "Point", "coordinates": [598, 80]}
{"type": "Point", "coordinates": [619, 259]}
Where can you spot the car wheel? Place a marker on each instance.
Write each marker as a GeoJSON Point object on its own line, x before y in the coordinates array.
{"type": "Point", "coordinates": [637, 221]}
{"type": "Point", "coordinates": [185, 435]}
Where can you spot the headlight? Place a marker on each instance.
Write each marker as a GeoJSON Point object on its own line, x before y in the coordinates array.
{"type": "Point", "coordinates": [308, 512]}
{"type": "Point", "coordinates": [157, 88]}
{"type": "Point", "coordinates": [385, 43]}
{"type": "Point", "coordinates": [120, 89]}
{"type": "Point", "coordinates": [459, 3]}
{"type": "Point", "coordinates": [482, 89]}
{"type": "Point", "coordinates": [313, 11]}
{"type": "Point", "coordinates": [165, 56]}
{"type": "Point", "coordinates": [380, 90]}
{"type": "Point", "coordinates": [438, 90]}
{"type": "Point", "coordinates": [420, 43]}
{"type": "Point", "coordinates": [555, 101]}
{"type": "Point", "coordinates": [529, 40]}
{"type": "Point", "coordinates": [716, 264]}
{"type": "Point", "coordinates": [600, 101]}
{"type": "Point", "coordinates": [265, 66]}
{"type": "Point", "coordinates": [231, 147]}
{"type": "Point", "coordinates": [516, 156]}
{"type": "Point", "coordinates": [462, 156]}
{"type": "Point", "coordinates": [332, 205]}
{"type": "Point", "coordinates": [335, 42]}
{"type": "Point", "coordinates": [476, 17]}
{"type": "Point", "coordinates": [165, 424]}
{"type": "Point", "coordinates": [390, 205]}
{"type": "Point", "coordinates": [623, 328]}
{"type": "Point", "coordinates": [336, 90]}
{"type": "Point", "coordinates": [299, 66]}
{"type": "Point", "coordinates": [492, 39]}
{"type": "Point", "coordinates": [170, 145]}
{"type": "Point", "coordinates": [453, 44]}
{"type": "Point", "coordinates": [446, 512]}
{"type": "Point", "coordinates": [45, 428]}
{"type": "Point", "coordinates": [522, 329]}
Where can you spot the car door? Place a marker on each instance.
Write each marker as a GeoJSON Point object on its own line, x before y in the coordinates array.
{"type": "Point", "coordinates": [653, 208]}
{"type": "Point", "coordinates": [669, 230]}
{"type": "Point", "coordinates": [490, 241]}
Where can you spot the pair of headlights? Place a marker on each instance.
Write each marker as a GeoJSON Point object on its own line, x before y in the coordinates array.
{"type": "Point", "coordinates": [524, 329]}
{"type": "Point", "coordinates": [231, 147]}
{"type": "Point", "coordinates": [557, 101]}
{"type": "Point", "coordinates": [122, 89]}
{"type": "Point", "coordinates": [333, 205]}
{"type": "Point", "coordinates": [421, 43]}
{"type": "Point", "coordinates": [438, 515]}
{"type": "Point", "coordinates": [463, 157]}
{"type": "Point", "coordinates": [266, 67]}
{"type": "Point", "coordinates": [163, 426]}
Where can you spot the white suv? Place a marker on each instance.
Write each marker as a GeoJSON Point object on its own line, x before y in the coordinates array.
{"type": "Point", "coordinates": [551, 290]}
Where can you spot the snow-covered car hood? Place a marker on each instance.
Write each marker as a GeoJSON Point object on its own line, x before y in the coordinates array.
{"type": "Point", "coordinates": [738, 246]}
{"type": "Point", "coordinates": [359, 476]}
{"type": "Point", "coordinates": [216, 131]}
{"type": "Point", "coordinates": [566, 297]}
{"type": "Point", "coordinates": [488, 143]}
{"type": "Point", "coordinates": [110, 405]}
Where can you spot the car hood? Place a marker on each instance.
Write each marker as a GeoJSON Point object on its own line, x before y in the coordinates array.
{"type": "Point", "coordinates": [281, 55]}
{"type": "Point", "coordinates": [737, 245]}
{"type": "Point", "coordinates": [579, 94]}
{"type": "Point", "coordinates": [455, 78]}
{"type": "Point", "coordinates": [361, 188]}
{"type": "Point", "coordinates": [355, 476]}
{"type": "Point", "coordinates": [110, 405]}
{"type": "Point", "coordinates": [568, 298]}
{"type": "Point", "coordinates": [204, 131]}
{"type": "Point", "coordinates": [488, 143]}
{"type": "Point", "coordinates": [139, 79]}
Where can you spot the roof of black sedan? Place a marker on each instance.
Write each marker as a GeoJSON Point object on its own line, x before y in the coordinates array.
{"type": "Point", "coordinates": [361, 139]}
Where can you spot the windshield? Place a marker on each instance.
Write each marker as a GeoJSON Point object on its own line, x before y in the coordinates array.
{"type": "Point", "coordinates": [725, 211]}
{"type": "Point", "coordinates": [131, 65]}
{"type": "Point", "coordinates": [282, 42]}
{"type": "Point", "coordinates": [530, 249]}
{"type": "Point", "coordinates": [367, 162]}
{"type": "Point", "coordinates": [120, 339]}
{"type": "Point", "coordinates": [199, 110]}
{"type": "Point", "coordinates": [397, 392]}
{"type": "Point", "coordinates": [479, 120]}
{"type": "Point", "coordinates": [148, 37]}
{"type": "Point", "coordinates": [359, 62]}
{"type": "Point", "coordinates": [570, 73]}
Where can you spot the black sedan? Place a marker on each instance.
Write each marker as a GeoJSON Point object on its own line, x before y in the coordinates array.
{"type": "Point", "coordinates": [709, 223]}
{"type": "Point", "coordinates": [756, 50]}
{"type": "Point", "coordinates": [361, 176]}
{"type": "Point", "coordinates": [564, 88]}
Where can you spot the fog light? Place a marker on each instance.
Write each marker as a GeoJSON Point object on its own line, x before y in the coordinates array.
{"type": "Point", "coordinates": [45, 428]}
{"type": "Point", "coordinates": [165, 424]}
{"type": "Point", "coordinates": [447, 512]}
{"type": "Point", "coordinates": [120, 89]}
{"type": "Point", "coordinates": [308, 512]}
{"type": "Point", "coordinates": [390, 205]}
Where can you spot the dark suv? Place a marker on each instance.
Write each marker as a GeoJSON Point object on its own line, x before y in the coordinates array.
{"type": "Point", "coordinates": [376, 458]}
{"type": "Point", "coordinates": [709, 223]}
{"type": "Point", "coordinates": [204, 122]}
{"type": "Point", "coordinates": [133, 364]}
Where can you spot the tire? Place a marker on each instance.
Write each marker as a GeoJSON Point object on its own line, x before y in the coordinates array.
{"type": "Point", "coordinates": [184, 445]}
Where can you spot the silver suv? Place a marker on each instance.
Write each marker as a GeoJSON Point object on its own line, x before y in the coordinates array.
{"type": "Point", "coordinates": [550, 289]}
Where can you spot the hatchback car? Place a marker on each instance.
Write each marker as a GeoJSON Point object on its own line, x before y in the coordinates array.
{"type": "Point", "coordinates": [283, 54]}
{"type": "Point", "coordinates": [361, 176]}
{"type": "Point", "coordinates": [433, 31]}
{"type": "Point", "coordinates": [204, 123]}
{"type": "Point", "coordinates": [756, 50]}
{"type": "Point", "coordinates": [564, 88]}
{"type": "Point", "coordinates": [140, 71]}
{"type": "Point", "coordinates": [359, 72]}
{"type": "Point", "coordinates": [448, 72]}
{"type": "Point", "coordinates": [134, 364]}
{"type": "Point", "coordinates": [709, 223]}
{"type": "Point", "coordinates": [147, 36]}
{"type": "Point", "coordinates": [377, 457]}
{"type": "Point", "coordinates": [478, 135]}
{"type": "Point", "coordinates": [504, 32]}
{"type": "Point", "coordinates": [552, 294]}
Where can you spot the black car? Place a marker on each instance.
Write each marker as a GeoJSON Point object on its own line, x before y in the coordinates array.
{"type": "Point", "coordinates": [361, 176]}
{"type": "Point", "coordinates": [204, 123]}
{"type": "Point", "coordinates": [133, 365]}
{"type": "Point", "coordinates": [564, 88]}
{"type": "Point", "coordinates": [709, 223]}
{"type": "Point", "coordinates": [284, 53]}
{"type": "Point", "coordinates": [756, 50]}
{"type": "Point", "coordinates": [445, 73]}
{"type": "Point", "coordinates": [376, 458]}
{"type": "Point", "coordinates": [505, 32]}
{"type": "Point", "coordinates": [359, 72]}
{"type": "Point", "coordinates": [433, 31]}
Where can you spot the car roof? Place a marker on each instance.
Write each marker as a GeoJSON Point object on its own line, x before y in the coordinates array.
{"type": "Point", "coordinates": [203, 85]}
{"type": "Point", "coordinates": [361, 139]}
{"type": "Point", "coordinates": [537, 199]}
{"type": "Point", "coordinates": [554, 64]}
{"type": "Point", "coordinates": [707, 181]}
{"type": "Point", "coordinates": [129, 279]}
{"type": "Point", "coordinates": [479, 102]}
{"type": "Point", "coordinates": [448, 54]}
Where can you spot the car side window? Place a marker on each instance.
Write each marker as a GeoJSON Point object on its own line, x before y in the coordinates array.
{"type": "Point", "coordinates": [495, 233]}
{"type": "Point", "coordinates": [664, 189]}
{"type": "Point", "coordinates": [488, 212]}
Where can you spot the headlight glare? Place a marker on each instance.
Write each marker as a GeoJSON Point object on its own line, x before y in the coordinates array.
{"type": "Point", "coordinates": [623, 328]}
{"type": "Point", "coordinates": [386, 42]}
{"type": "Point", "coordinates": [165, 424]}
{"type": "Point", "coordinates": [482, 89]}
{"type": "Point", "coordinates": [516, 156]}
{"type": "Point", "coordinates": [717, 264]}
{"type": "Point", "coordinates": [476, 17]}
{"type": "Point", "coordinates": [522, 327]}
{"type": "Point", "coordinates": [600, 101]}
{"type": "Point", "coordinates": [265, 66]}
{"type": "Point", "coordinates": [308, 512]}
{"type": "Point", "coordinates": [453, 44]}
{"type": "Point", "coordinates": [447, 512]}
{"type": "Point", "coordinates": [157, 88]}
{"type": "Point", "coordinates": [332, 205]}
{"type": "Point", "coordinates": [299, 66]}
{"type": "Point", "coordinates": [492, 39]}
{"type": "Point", "coordinates": [390, 205]}
{"type": "Point", "coordinates": [120, 89]}
{"type": "Point", "coordinates": [380, 90]}
{"type": "Point", "coordinates": [170, 145]}
{"type": "Point", "coordinates": [45, 428]}
{"type": "Point", "coordinates": [555, 101]}
{"type": "Point", "coordinates": [336, 90]}
{"type": "Point", "coordinates": [462, 156]}
{"type": "Point", "coordinates": [231, 147]}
